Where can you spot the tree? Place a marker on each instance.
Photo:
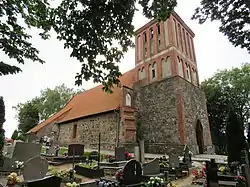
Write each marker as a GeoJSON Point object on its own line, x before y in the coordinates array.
{"type": "Point", "coordinates": [14, 135]}
{"type": "Point", "coordinates": [236, 141]}
{"type": "Point", "coordinates": [102, 29]}
{"type": "Point", "coordinates": [224, 88]}
{"type": "Point", "coordinates": [30, 113]}
{"type": "Point", "coordinates": [233, 16]}
{"type": "Point", "coordinates": [52, 100]}
{"type": "Point", "coordinates": [2, 120]}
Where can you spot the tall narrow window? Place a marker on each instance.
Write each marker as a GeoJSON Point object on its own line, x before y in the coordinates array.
{"type": "Point", "coordinates": [159, 35]}
{"type": "Point", "coordinates": [128, 100]}
{"type": "Point", "coordinates": [139, 48]}
{"type": "Point", "coordinates": [145, 44]}
{"type": "Point", "coordinates": [184, 40]}
{"type": "Point", "coordinates": [180, 36]}
{"type": "Point", "coordinates": [176, 34]}
{"type": "Point", "coordinates": [180, 67]}
{"type": "Point", "coordinates": [74, 131]}
{"type": "Point", "coordinates": [153, 71]}
{"type": "Point", "coordinates": [151, 41]}
{"type": "Point", "coordinates": [188, 45]}
{"type": "Point", "coordinates": [188, 72]}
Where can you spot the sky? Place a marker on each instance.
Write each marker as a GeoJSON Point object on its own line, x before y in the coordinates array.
{"type": "Point", "coordinates": [213, 52]}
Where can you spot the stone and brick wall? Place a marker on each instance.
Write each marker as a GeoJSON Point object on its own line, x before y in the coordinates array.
{"type": "Point", "coordinates": [88, 129]}
{"type": "Point", "coordinates": [194, 105]}
{"type": "Point", "coordinates": [156, 105]}
{"type": "Point", "coordinates": [169, 111]}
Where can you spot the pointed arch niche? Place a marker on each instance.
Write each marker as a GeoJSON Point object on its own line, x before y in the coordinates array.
{"type": "Point", "coordinates": [180, 67]}
{"type": "Point", "coordinates": [153, 71]}
{"type": "Point", "coordinates": [166, 67]}
{"type": "Point", "coordinates": [128, 100]}
{"type": "Point", "coordinates": [142, 73]}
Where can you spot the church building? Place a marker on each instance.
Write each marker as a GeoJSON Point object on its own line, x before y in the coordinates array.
{"type": "Point", "coordinates": [159, 100]}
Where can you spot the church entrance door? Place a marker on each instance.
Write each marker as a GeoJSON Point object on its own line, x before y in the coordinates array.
{"type": "Point", "coordinates": [199, 137]}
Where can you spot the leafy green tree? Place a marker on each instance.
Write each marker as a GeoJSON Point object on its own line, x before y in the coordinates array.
{"type": "Point", "coordinates": [27, 115]}
{"type": "Point", "coordinates": [233, 16]}
{"type": "Point", "coordinates": [52, 100]}
{"type": "Point", "coordinates": [227, 86]}
{"type": "Point", "coordinates": [90, 29]}
{"type": "Point", "coordinates": [236, 141]}
{"type": "Point", "coordinates": [30, 113]}
{"type": "Point", "coordinates": [14, 135]}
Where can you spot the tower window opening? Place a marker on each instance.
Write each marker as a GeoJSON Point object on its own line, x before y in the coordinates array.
{"type": "Point", "coordinates": [153, 73]}
{"type": "Point", "coordinates": [151, 33]}
{"type": "Point", "coordinates": [159, 29]}
{"type": "Point", "coordinates": [145, 37]}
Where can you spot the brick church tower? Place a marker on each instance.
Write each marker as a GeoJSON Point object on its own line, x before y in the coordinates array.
{"type": "Point", "coordinates": [171, 107]}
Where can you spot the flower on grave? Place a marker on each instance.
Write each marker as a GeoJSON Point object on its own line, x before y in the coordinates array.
{"type": "Point", "coordinates": [171, 185]}
{"type": "Point", "coordinates": [240, 179]}
{"type": "Point", "coordinates": [128, 156]}
{"type": "Point", "coordinates": [12, 179]}
{"type": "Point", "coordinates": [73, 184]}
{"type": "Point", "coordinates": [18, 164]}
{"type": "Point", "coordinates": [155, 181]}
{"type": "Point", "coordinates": [119, 175]}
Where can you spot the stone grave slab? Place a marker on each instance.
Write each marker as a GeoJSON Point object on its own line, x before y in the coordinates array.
{"type": "Point", "coordinates": [35, 168]}
{"type": "Point", "coordinates": [152, 168]}
{"type": "Point", "coordinates": [174, 161]}
{"type": "Point", "coordinates": [24, 151]}
{"type": "Point", "coordinates": [76, 149]}
{"type": "Point", "coordinates": [119, 153]}
{"type": "Point", "coordinates": [132, 172]}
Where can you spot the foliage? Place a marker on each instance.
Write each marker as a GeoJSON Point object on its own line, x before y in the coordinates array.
{"type": "Point", "coordinates": [52, 100]}
{"type": "Point", "coordinates": [233, 16]}
{"type": "Point", "coordinates": [14, 39]}
{"type": "Point", "coordinates": [12, 179]}
{"type": "Point", "coordinates": [119, 175]}
{"type": "Point", "coordinates": [99, 32]}
{"type": "Point", "coordinates": [73, 184]}
{"type": "Point", "coordinates": [91, 165]}
{"type": "Point", "coordinates": [27, 115]}
{"type": "Point", "coordinates": [42, 107]}
{"type": "Point", "coordinates": [155, 182]}
{"type": "Point", "coordinates": [235, 137]}
{"type": "Point", "coordinates": [14, 135]}
{"type": "Point", "coordinates": [224, 88]}
{"type": "Point", "coordinates": [2, 120]}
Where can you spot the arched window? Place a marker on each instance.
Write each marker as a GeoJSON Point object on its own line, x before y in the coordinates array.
{"type": "Point", "coordinates": [180, 67]}
{"type": "Point", "coordinates": [166, 67]}
{"type": "Point", "coordinates": [128, 100]}
{"type": "Point", "coordinates": [141, 73]}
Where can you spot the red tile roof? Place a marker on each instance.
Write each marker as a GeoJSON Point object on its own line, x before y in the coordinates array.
{"type": "Point", "coordinates": [89, 102]}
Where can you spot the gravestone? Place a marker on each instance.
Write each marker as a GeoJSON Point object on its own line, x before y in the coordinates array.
{"type": "Point", "coordinates": [246, 173]}
{"type": "Point", "coordinates": [142, 151]}
{"type": "Point", "coordinates": [212, 175]}
{"type": "Point", "coordinates": [35, 168]}
{"type": "Point", "coordinates": [21, 152]}
{"type": "Point", "coordinates": [119, 154]}
{"type": "Point", "coordinates": [187, 156]}
{"type": "Point", "coordinates": [46, 181]}
{"type": "Point", "coordinates": [132, 172]}
{"type": "Point", "coordinates": [76, 149]}
{"type": "Point", "coordinates": [174, 161]}
{"type": "Point", "coordinates": [152, 168]}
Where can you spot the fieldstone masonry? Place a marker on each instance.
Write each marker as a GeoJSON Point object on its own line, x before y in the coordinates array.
{"type": "Point", "coordinates": [88, 130]}
{"type": "Point", "coordinates": [163, 129]}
